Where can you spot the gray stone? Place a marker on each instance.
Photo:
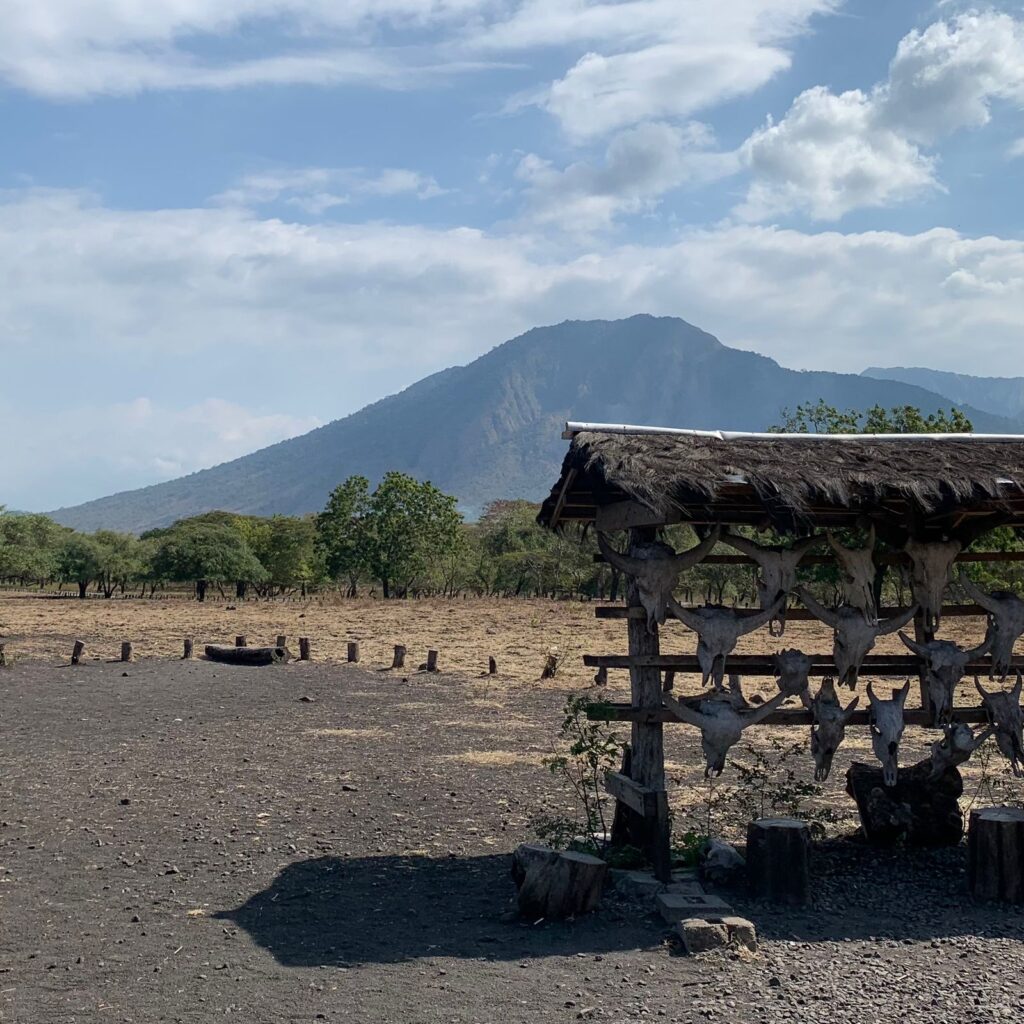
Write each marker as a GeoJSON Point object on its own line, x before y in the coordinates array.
{"type": "Point", "coordinates": [675, 907]}
{"type": "Point", "coordinates": [742, 933]}
{"type": "Point", "coordinates": [639, 885]}
{"type": "Point", "coordinates": [686, 888]}
{"type": "Point", "coordinates": [700, 936]}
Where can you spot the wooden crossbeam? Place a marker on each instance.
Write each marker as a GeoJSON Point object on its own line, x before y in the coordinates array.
{"type": "Point", "coordinates": [637, 798]}
{"type": "Point", "coordinates": [614, 611]}
{"type": "Point", "coordinates": [764, 665]}
{"type": "Point", "coordinates": [614, 712]}
{"type": "Point", "coordinates": [882, 558]}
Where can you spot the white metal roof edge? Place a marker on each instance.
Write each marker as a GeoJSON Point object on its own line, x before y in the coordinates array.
{"type": "Point", "coordinates": [572, 428]}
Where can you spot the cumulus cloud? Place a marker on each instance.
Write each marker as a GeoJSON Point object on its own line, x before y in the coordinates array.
{"type": "Point", "coordinates": [834, 153]}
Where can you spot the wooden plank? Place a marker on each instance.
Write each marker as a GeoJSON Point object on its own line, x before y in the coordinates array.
{"type": "Point", "coordinates": [569, 478]}
{"type": "Point", "coordinates": [641, 799]}
{"type": "Point", "coordinates": [602, 712]}
{"type": "Point", "coordinates": [628, 515]}
{"type": "Point", "coordinates": [763, 665]}
{"type": "Point", "coordinates": [614, 611]}
{"type": "Point", "coordinates": [883, 558]}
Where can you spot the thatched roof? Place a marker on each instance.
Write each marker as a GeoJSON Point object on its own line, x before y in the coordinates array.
{"type": "Point", "coordinates": [791, 481]}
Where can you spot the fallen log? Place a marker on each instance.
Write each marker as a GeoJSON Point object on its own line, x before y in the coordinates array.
{"type": "Point", "coordinates": [247, 655]}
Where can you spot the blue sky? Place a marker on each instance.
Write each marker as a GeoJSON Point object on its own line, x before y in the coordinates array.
{"type": "Point", "coordinates": [224, 224]}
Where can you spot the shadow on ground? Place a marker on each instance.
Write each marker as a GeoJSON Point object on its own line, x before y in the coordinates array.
{"type": "Point", "coordinates": [334, 910]}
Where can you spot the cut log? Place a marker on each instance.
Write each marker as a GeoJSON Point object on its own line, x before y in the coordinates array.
{"type": "Point", "coordinates": [353, 650]}
{"type": "Point", "coordinates": [247, 655]}
{"type": "Point", "coordinates": [189, 648]}
{"type": "Point", "coordinates": [567, 886]}
{"type": "Point", "coordinates": [995, 854]}
{"type": "Point", "coordinates": [127, 651]}
{"type": "Point", "coordinates": [528, 856]}
{"type": "Point", "coordinates": [398, 661]}
{"type": "Point", "coordinates": [304, 648]}
{"type": "Point", "coordinates": [76, 652]}
{"type": "Point", "coordinates": [241, 641]}
{"type": "Point", "coordinates": [431, 661]}
{"type": "Point", "coordinates": [492, 667]}
{"type": "Point", "coordinates": [282, 640]}
{"type": "Point", "coordinates": [918, 810]}
{"type": "Point", "coordinates": [778, 856]}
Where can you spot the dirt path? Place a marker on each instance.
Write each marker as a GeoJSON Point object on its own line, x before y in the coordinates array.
{"type": "Point", "coordinates": [190, 841]}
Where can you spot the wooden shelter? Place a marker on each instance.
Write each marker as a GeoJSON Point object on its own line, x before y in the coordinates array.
{"type": "Point", "coordinates": [921, 487]}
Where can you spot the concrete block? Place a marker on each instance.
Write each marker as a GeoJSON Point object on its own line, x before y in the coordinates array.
{"type": "Point", "coordinates": [675, 907]}
{"type": "Point", "coordinates": [700, 936]}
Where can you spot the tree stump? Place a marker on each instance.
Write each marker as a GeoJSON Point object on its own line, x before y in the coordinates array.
{"type": "Point", "coordinates": [918, 810]}
{"type": "Point", "coordinates": [431, 661]}
{"type": "Point", "coordinates": [282, 640]}
{"type": "Point", "coordinates": [76, 652]}
{"type": "Point", "coordinates": [528, 856]}
{"type": "Point", "coordinates": [492, 666]}
{"type": "Point", "coordinates": [189, 648]}
{"type": "Point", "coordinates": [398, 661]}
{"type": "Point", "coordinates": [995, 854]}
{"type": "Point", "coordinates": [563, 885]}
{"type": "Point", "coordinates": [127, 651]}
{"type": "Point", "coordinates": [241, 641]}
{"type": "Point", "coordinates": [304, 648]}
{"type": "Point", "coordinates": [353, 650]}
{"type": "Point", "coordinates": [778, 856]}
{"type": "Point", "coordinates": [3, 655]}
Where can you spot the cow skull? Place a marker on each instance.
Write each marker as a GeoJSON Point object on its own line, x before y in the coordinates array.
{"type": "Point", "coordinates": [718, 629]}
{"type": "Point", "coordinates": [930, 565]}
{"type": "Point", "coordinates": [886, 720]}
{"type": "Point", "coordinates": [720, 722]}
{"type": "Point", "coordinates": [1005, 623]}
{"type": "Point", "coordinates": [945, 663]}
{"type": "Point", "coordinates": [1007, 722]}
{"type": "Point", "coordinates": [778, 572]}
{"type": "Point", "coordinates": [828, 728]}
{"type": "Point", "coordinates": [853, 637]}
{"type": "Point", "coordinates": [956, 746]}
{"type": "Point", "coordinates": [857, 573]}
{"type": "Point", "coordinates": [656, 568]}
{"type": "Point", "coordinates": [792, 668]}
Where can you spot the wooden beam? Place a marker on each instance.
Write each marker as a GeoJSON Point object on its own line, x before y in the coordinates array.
{"type": "Point", "coordinates": [883, 558]}
{"type": "Point", "coordinates": [560, 504]}
{"type": "Point", "coordinates": [627, 515]}
{"type": "Point", "coordinates": [641, 799]}
{"type": "Point", "coordinates": [792, 614]}
{"type": "Point", "coordinates": [602, 712]}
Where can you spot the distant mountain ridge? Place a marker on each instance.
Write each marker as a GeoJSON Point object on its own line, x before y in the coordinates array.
{"type": "Point", "coordinates": [1002, 396]}
{"type": "Point", "coordinates": [492, 429]}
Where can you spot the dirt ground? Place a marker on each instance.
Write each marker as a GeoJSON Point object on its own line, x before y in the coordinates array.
{"type": "Point", "coordinates": [185, 841]}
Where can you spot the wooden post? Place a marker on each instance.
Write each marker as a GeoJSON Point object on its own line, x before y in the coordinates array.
{"type": "Point", "coordinates": [923, 635]}
{"type": "Point", "coordinates": [492, 666]}
{"type": "Point", "coordinates": [995, 854]}
{"type": "Point", "coordinates": [778, 860]}
{"type": "Point", "coordinates": [431, 661]}
{"type": "Point", "coordinates": [240, 641]}
{"type": "Point", "coordinates": [670, 680]}
{"type": "Point", "coordinates": [304, 648]}
{"type": "Point", "coordinates": [282, 640]}
{"type": "Point", "coordinates": [76, 652]}
{"type": "Point", "coordinates": [398, 661]}
{"type": "Point", "coordinates": [353, 650]}
{"type": "Point", "coordinates": [3, 655]}
{"type": "Point", "coordinates": [127, 651]}
{"type": "Point", "coordinates": [189, 646]}
{"type": "Point", "coordinates": [647, 746]}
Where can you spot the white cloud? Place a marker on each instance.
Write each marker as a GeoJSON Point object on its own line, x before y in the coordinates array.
{"type": "Point", "coordinates": [640, 165]}
{"type": "Point", "coordinates": [1016, 150]}
{"type": "Point", "coordinates": [318, 189]}
{"type": "Point", "coordinates": [831, 154]}
{"type": "Point", "coordinates": [73, 455]}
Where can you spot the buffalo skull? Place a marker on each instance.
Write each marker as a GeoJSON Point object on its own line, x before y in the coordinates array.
{"type": "Point", "coordinates": [1007, 722]}
{"type": "Point", "coordinates": [778, 572]}
{"type": "Point", "coordinates": [853, 636]}
{"type": "Point", "coordinates": [1005, 623]}
{"type": "Point", "coordinates": [720, 722]}
{"type": "Point", "coordinates": [886, 720]}
{"type": "Point", "coordinates": [792, 667]}
{"type": "Point", "coordinates": [945, 663]}
{"type": "Point", "coordinates": [930, 565]}
{"type": "Point", "coordinates": [718, 629]}
{"type": "Point", "coordinates": [857, 573]}
{"type": "Point", "coordinates": [656, 568]}
{"type": "Point", "coordinates": [956, 746]}
{"type": "Point", "coordinates": [829, 719]}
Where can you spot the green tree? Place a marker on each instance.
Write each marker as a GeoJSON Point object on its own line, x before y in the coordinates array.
{"type": "Point", "coordinates": [821, 418]}
{"type": "Point", "coordinates": [204, 553]}
{"type": "Point", "coordinates": [79, 560]}
{"type": "Point", "coordinates": [341, 531]}
{"type": "Point", "coordinates": [290, 554]}
{"type": "Point", "coordinates": [29, 546]}
{"type": "Point", "coordinates": [408, 527]}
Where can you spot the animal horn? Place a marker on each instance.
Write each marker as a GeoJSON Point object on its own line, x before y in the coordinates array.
{"type": "Point", "coordinates": [985, 695]}
{"type": "Point", "coordinates": [688, 559]}
{"type": "Point", "coordinates": [765, 709]}
{"type": "Point", "coordinates": [1017, 686]}
{"type": "Point", "coordinates": [833, 543]}
{"type": "Point", "coordinates": [630, 566]}
{"type": "Point", "coordinates": [977, 595]}
{"type": "Point", "coordinates": [850, 708]}
{"type": "Point", "coordinates": [901, 694]}
{"type": "Point", "coordinates": [871, 695]}
{"type": "Point", "coordinates": [685, 616]}
{"type": "Point", "coordinates": [898, 621]}
{"type": "Point", "coordinates": [743, 545]}
{"type": "Point", "coordinates": [817, 610]}
{"type": "Point", "coordinates": [917, 648]}
{"type": "Point", "coordinates": [751, 622]}
{"type": "Point", "coordinates": [982, 648]}
{"type": "Point", "coordinates": [683, 711]}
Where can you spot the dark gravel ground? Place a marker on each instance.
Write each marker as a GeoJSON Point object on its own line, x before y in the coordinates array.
{"type": "Point", "coordinates": [190, 842]}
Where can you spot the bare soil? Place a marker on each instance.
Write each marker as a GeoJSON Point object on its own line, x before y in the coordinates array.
{"type": "Point", "coordinates": [181, 841]}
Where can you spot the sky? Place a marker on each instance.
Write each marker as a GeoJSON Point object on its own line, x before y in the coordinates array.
{"type": "Point", "coordinates": [223, 224]}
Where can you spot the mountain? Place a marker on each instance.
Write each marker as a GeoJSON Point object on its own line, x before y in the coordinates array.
{"type": "Point", "coordinates": [492, 429]}
{"type": "Point", "coordinates": [1002, 396]}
